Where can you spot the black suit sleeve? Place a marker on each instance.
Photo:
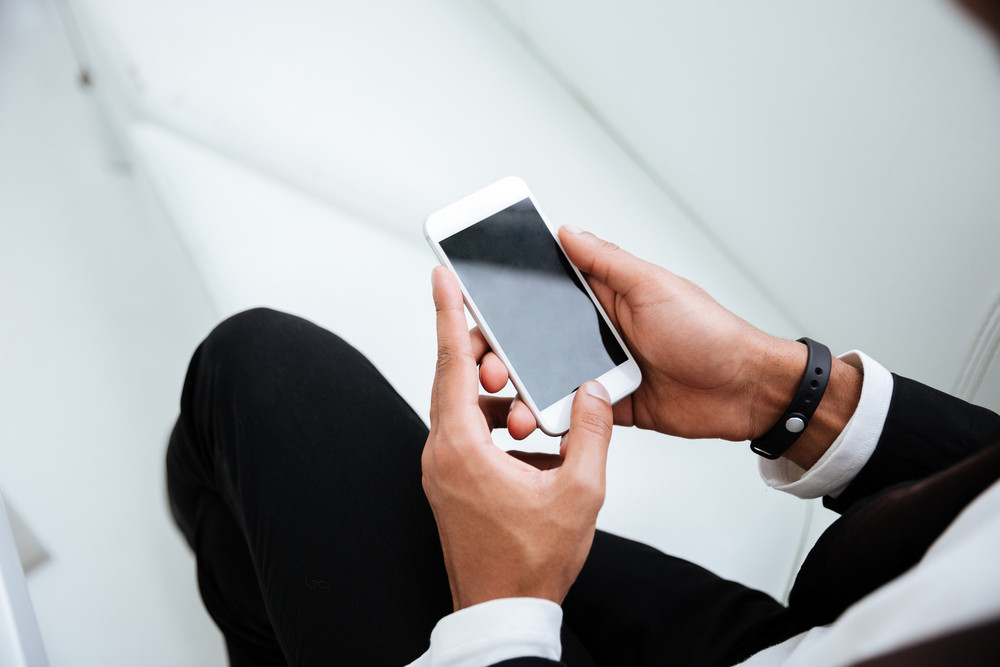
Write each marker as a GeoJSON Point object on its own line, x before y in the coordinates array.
{"type": "Point", "coordinates": [925, 432]}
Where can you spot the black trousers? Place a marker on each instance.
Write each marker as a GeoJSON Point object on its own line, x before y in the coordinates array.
{"type": "Point", "coordinates": [294, 474]}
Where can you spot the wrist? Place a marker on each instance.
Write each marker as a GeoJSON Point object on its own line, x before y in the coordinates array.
{"type": "Point", "coordinates": [831, 416]}
{"type": "Point", "coordinates": [781, 364]}
{"type": "Point", "coordinates": [496, 586]}
{"type": "Point", "coordinates": [777, 370]}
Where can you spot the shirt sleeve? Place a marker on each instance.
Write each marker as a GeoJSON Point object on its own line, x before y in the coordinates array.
{"type": "Point", "coordinates": [494, 631]}
{"type": "Point", "coordinates": [849, 453]}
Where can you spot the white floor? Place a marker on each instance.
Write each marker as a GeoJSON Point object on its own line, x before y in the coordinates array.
{"type": "Point", "coordinates": [100, 312]}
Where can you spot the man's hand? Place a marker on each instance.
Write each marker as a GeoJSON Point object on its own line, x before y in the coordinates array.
{"type": "Point", "coordinates": [507, 528]}
{"type": "Point", "coordinates": [705, 372]}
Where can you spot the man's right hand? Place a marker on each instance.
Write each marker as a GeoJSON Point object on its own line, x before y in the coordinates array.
{"type": "Point", "coordinates": [706, 373]}
{"type": "Point", "coordinates": [702, 366]}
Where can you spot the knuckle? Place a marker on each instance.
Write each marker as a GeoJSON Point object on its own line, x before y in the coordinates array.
{"type": "Point", "coordinates": [605, 259]}
{"type": "Point", "coordinates": [609, 246]}
{"type": "Point", "coordinates": [595, 424]}
{"type": "Point", "coordinates": [446, 360]}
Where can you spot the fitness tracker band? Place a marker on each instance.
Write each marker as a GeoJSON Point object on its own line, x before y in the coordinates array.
{"type": "Point", "coordinates": [796, 417]}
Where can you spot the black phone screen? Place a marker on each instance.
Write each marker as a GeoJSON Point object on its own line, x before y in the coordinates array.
{"type": "Point", "coordinates": [537, 308]}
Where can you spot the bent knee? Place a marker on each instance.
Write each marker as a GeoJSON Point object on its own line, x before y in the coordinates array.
{"type": "Point", "coordinates": [269, 341]}
{"type": "Point", "coordinates": [255, 339]}
{"type": "Point", "coordinates": [251, 328]}
{"type": "Point", "coordinates": [248, 324]}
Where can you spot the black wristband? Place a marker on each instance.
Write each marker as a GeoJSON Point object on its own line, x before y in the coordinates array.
{"type": "Point", "coordinates": [796, 418]}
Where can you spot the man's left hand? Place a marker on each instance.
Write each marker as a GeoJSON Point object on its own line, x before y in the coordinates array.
{"type": "Point", "coordinates": [507, 528]}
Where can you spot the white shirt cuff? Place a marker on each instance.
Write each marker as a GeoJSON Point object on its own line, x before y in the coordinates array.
{"type": "Point", "coordinates": [494, 631]}
{"type": "Point", "coordinates": [853, 447]}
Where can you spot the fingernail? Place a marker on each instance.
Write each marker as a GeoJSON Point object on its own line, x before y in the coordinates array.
{"type": "Point", "coordinates": [597, 390]}
{"type": "Point", "coordinates": [434, 276]}
{"type": "Point", "coordinates": [572, 229]}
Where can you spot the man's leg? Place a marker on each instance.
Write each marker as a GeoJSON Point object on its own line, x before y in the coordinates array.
{"type": "Point", "coordinates": [294, 473]}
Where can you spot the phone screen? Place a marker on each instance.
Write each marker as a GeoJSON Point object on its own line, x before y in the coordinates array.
{"type": "Point", "coordinates": [537, 308]}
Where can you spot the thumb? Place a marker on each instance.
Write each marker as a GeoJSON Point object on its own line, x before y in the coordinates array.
{"type": "Point", "coordinates": [586, 445]}
{"type": "Point", "coordinates": [603, 260]}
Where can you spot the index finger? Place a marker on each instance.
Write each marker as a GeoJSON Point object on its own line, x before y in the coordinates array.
{"type": "Point", "coordinates": [456, 386]}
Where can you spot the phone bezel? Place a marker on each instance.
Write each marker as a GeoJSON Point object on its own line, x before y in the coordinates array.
{"type": "Point", "coordinates": [468, 211]}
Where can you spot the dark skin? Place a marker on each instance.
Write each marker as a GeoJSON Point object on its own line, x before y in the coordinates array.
{"type": "Point", "coordinates": [735, 387]}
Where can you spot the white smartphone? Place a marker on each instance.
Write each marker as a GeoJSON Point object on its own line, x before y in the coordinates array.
{"type": "Point", "coordinates": [531, 303]}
